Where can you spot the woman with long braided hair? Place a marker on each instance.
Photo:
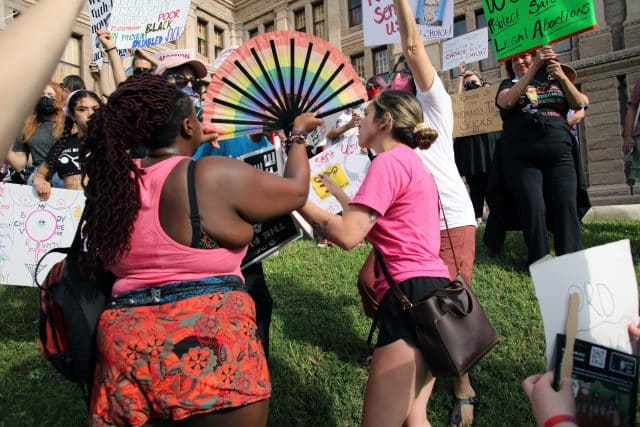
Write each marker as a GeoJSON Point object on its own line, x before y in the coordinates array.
{"type": "Point", "coordinates": [178, 340]}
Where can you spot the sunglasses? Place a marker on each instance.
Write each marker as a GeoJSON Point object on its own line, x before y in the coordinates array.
{"type": "Point", "coordinates": [405, 72]}
{"type": "Point", "coordinates": [138, 71]}
{"type": "Point", "coordinates": [182, 81]}
{"type": "Point", "coordinates": [373, 86]}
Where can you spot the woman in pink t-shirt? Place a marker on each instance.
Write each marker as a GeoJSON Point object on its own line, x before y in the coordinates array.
{"type": "Point", "coordinates": [396, 209]}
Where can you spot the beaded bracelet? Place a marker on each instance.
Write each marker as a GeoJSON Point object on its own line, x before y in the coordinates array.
{"type": "Point", "coordinates": [297, 132]}
{"type": "Point", "coordinates": [293, 139]}
{"type": "Point", "coordinates": [557, 419]}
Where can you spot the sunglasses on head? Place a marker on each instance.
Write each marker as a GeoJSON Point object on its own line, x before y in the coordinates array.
{"type": "Point", "coordinates": [138, 71]}
{"type": "Point", "coordinates": [182, 81]}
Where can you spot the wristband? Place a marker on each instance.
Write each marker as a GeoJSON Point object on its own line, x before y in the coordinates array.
{"type": "Point", "coordinates": [296, 132]}
{"type": "Point", "coordinates": [293, 139]}
{"type": "Point", "coordinates": [110, 49]}
{"type": "Point", "coordinates": [562, 418]}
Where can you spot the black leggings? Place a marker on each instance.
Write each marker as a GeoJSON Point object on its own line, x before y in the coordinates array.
{"type": "Point", "coordinates": [542, 178]}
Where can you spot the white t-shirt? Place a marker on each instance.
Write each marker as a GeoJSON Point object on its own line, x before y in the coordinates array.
{"type": "Point", "coordinates": [439, 158]}
{"type": "Point", "coordinates": [344, 118]}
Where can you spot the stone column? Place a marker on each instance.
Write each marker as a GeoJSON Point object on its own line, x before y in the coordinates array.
{"type": "Point", "coordinates": [333, 20]}
{"type": "Point", "coordinates": [631, 24]}
{"type": "Point", "coordinates": [281, 22]}
{"type": "Point", "coordinates": [602, 132]}
{"type": "Point", "coordinates": [600, 41]}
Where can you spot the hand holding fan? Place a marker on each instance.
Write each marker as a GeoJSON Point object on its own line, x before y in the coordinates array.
{"type": "Point", "coordinates": [274, 77]}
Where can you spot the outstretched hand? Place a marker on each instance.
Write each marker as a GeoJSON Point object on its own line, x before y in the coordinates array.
{"type": "Point", "coordinates": [106, 38]}
{"type": "Point", "coordinates": [306, 122]}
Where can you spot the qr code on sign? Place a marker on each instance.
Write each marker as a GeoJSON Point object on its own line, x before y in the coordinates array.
{"type": "Point", "coordinates": [598, 356]}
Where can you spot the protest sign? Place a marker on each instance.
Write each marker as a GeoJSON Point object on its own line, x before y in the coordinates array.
{"type": "Point", "coordinates": [143, 23]}
{"type": "Point", "coordinates": [346, 165]}
{"type": "Point", "coordinates": [606, 281]}
{"type": "Point", "coordinates": [269, 236]}
{"type": "Point", "coordinates": [475, 112]}
{"type": "Point", "coordinates": [182, 53]}
{"type": "Point", "coordinates": [223, 55]}
{"type": "Point", "coordinates": [470, 47]}
{"type": "Point", "coordinates": [100, 13]}
{"type": "Point", "coordinates": [380, 22]}
{"type": "Point", "coordinates": [518, 26]}
{"type": "Point", "coordinates": [29, 228]}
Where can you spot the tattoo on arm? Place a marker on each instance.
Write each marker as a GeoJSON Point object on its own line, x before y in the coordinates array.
{"type": "Point", "coordinates": [372, 217]}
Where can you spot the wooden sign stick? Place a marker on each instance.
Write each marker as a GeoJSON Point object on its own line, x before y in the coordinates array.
{"type": "Point", "coordinates": [571, 328]}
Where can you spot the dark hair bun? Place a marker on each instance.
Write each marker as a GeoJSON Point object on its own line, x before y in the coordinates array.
{"type": "Point", "coordinates": [424, 136]}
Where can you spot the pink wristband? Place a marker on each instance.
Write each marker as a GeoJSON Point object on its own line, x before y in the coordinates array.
{"type": "Point", "coordinates": [557, 419]}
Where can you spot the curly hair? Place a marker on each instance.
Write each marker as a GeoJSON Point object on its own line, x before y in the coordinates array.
{"type": "Point", "coordinates": [143, 110]}
{"type": "Point", "coordinates": [33, 121]}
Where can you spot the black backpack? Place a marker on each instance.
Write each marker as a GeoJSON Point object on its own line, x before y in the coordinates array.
{"type": "Point", "coordinates": [70, 305]}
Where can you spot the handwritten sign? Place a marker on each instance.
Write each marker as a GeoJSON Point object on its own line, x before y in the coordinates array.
{"type": "Point", "coordinates": [269, 236]}
{"type": "Point", "coordinates": [143, 23]}
{"type": "Point", "coordinates": [347, 167]}
{"type": "Point", "coordinates": [470, 47]}
{"type": "Point", "coordinates": [380, 22]}
{"type": "Point", "coordinates": [518, 26]}
{"type": "Point", "coordinates": [100, 13]}
{"type": "Point", "coordinates": [606, 281]}
{"type": "Point", "coordinates": [29, 228]}
{"type": "Point", "coordinates": [474, 112]}
{"type": "Point", "coordinates": [223, 55]}
{"type": "Point", "coordinates": [182, 53]}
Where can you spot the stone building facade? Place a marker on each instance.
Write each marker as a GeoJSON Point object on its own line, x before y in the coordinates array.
{"type": "Point", "coordinates": [607, 59]}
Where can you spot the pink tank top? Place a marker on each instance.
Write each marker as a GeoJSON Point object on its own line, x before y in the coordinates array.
{"type": "Point", "coordinates": [155, 259]}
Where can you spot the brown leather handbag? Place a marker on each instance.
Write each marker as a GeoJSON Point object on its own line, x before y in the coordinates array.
{"type": "Point", "coordinates": [452, 329]}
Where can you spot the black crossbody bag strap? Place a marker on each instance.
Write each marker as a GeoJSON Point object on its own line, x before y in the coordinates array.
{"type": "Point", "coordinates": [194, 213]}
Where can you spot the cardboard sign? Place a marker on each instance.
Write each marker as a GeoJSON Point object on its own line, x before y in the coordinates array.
{"type": "Point", "coordinates": [144, 23]}
{"type": "Point", "coordinates": [347, 167]}
{"type": "Point", "coordinates": [270, 236]}
{"type": "Point", "coordinates": [29, 228]}
{"type": "Point", "coordinates": [380, 22]}
{"type": "Point", "coordinates": [470, 47]}
{"type": "Point", "coordinates": [475, 112]}
{"type": "Point", "coordinates": [604, 277]}
{"type": "Point", "coordinates": [182, 53]}
{"type": "Point", "coordinates": [518, 26]}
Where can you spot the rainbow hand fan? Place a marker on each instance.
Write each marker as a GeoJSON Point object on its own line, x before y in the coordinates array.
{"type": "Point", "coordinates": [274, 77]}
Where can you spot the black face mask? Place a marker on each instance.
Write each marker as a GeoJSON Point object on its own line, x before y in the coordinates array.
{"type": "Point", "coordinates": [472, 85]}
{"type": "Point", "coordinates": [46, 106]}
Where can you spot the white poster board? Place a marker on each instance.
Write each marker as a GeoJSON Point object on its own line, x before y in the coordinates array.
{"type": "Point", "coordinates": [182, 53]}
{"type": "Point", "coordinates": [29, 228]}
{"type": "Point", "coordinates": [470, 47]}
{"type": "Point", "coordinates": [144, 23]}
{"type": "Point", "coordinates": [100, 14]}
{"type": "Point", "coordinates": [380, 22]}
{"type": "Point", "coordinates": [347, 166]}
{"type": "Point", "coordinates": [606, 281]}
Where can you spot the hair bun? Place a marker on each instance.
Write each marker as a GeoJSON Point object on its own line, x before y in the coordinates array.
{"type": "Point", "coordinates": [424, 136]}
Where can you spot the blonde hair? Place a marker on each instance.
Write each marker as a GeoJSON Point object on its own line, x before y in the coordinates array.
{"type": "Point", "coordinates": [33, 122]}
{"type": "Point", "coordinates": [407, 123]}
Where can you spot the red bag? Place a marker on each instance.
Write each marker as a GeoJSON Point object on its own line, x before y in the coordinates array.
{"type": "Point", "coordinates": [366, 280]}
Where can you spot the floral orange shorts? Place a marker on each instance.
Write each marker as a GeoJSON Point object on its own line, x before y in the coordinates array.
{"type": "Point", "coordinates": [174, 360]}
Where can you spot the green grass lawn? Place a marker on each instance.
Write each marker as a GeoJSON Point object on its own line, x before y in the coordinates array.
{"type": "Point", "coordinates": [318, 338]}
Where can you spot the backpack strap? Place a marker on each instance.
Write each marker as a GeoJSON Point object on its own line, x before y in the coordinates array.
{"type": "Point", "coordinates": [194, 214]}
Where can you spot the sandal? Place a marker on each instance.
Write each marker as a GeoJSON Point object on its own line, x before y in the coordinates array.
{"type": "Point", "coordinates": [456, 412]}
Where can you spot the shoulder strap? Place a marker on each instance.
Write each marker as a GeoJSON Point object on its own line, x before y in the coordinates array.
{"type": "Point", "coordinates": [446, 224]}
{"type": "Point", "coordinates": [406, 304]}
{"type": "Point", "coordinates": [194, 214]}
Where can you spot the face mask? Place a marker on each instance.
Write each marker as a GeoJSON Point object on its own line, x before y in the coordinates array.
{"type": "Point", "coordinates": [46, 106]}
{"type": "Point", "coordinates": [402, 84]}
{"type": "Point", "coordinates": [471, 85]}
{"type": "Point", "coordinates": [371, 93]}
